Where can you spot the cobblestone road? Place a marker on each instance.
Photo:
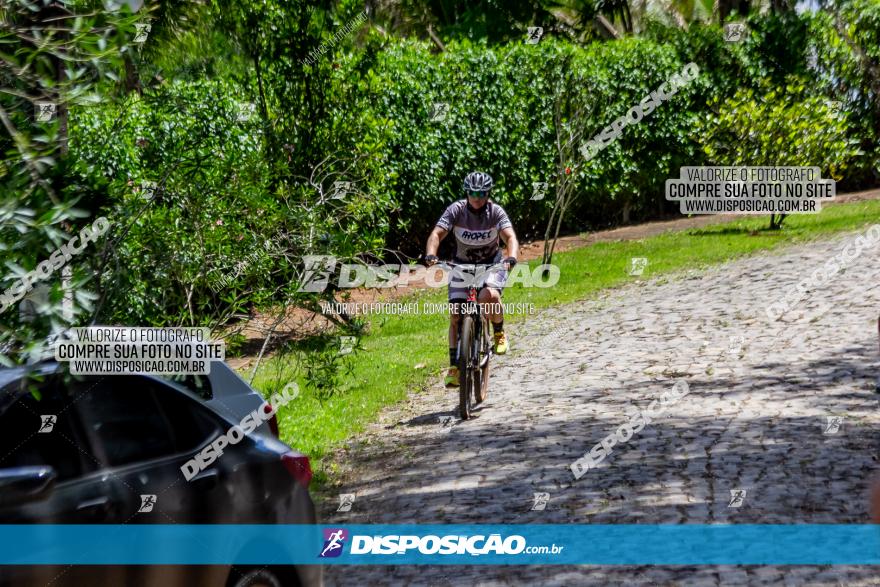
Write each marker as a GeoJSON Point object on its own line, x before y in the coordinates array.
{"type": "Point", "coordinates": [756, 418]}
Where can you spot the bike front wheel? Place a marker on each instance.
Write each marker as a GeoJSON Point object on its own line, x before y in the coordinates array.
{"type": "Point", "coordinates": [466, 371]}
{"type": "Point", "coordinates": [484, 352]}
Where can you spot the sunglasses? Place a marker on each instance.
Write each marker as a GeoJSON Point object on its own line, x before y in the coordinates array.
{"type": "Point", "coordinates": [477, 194]}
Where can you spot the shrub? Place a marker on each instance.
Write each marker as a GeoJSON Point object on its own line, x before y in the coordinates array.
{"type": "Point", "coordinates": [784, 126]}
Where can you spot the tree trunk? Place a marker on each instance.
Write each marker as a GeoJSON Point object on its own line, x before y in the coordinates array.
{"type": "Point", "coordinates": [547, 257]}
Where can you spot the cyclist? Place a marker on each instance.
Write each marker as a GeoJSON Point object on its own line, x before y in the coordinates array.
{"type": "Point", "coordinates": [477, 225]}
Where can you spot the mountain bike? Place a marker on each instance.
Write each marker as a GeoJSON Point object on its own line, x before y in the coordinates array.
{"type": "Point", "coordinates": [474, 349]}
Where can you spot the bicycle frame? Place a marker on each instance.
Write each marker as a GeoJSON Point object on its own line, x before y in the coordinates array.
{"type": "Point", "coordinates": [473, 307]}
{"type": "Point", "coordinates": [474, 350]}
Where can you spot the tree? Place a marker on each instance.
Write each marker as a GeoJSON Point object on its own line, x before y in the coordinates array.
{"type": "Point", "coordinates": [53, 55]}
{"type": "Point", "coordinates": [569, 118]}
{"type": "Point", "coordinates": [782, 127]}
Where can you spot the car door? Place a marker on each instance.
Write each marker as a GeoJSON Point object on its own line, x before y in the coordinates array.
{"type": "Point", "coordinates": [41, 429]}
{"type": "Point", "coordinates": [145, 430]}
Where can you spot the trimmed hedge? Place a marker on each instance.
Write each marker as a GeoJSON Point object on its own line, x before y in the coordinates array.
{"type": "Point", "coordinates": [500, 119]}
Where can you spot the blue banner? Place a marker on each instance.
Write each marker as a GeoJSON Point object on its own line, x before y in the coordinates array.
{"type": "Point", "coordinates": [453, 544]}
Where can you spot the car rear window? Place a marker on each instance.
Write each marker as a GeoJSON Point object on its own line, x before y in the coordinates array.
{"type": "Point", "coordinates": [136, 419]}
{"type": "Point", "coordinates": [198, 384]}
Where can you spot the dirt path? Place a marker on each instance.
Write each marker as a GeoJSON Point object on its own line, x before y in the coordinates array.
{"type": "Point", "coordinates": [756, 419]}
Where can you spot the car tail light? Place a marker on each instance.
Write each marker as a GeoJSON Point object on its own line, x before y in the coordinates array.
{"type": "Point", "coordinates": [273, 421]}
{"type": "Point", "coordinates": [299, 468]}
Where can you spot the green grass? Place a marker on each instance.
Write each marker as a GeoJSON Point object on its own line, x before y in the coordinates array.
{"type": "Point", "coordinates": [384, 370]}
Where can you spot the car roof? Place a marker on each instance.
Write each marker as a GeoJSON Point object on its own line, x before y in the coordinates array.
{"type": "Point", "coordinates": [13, 374]}
{"type": "Point", "coordinates": [52, 367]}
{"type": "Point", "coordinates": [225, 381]}
{"type": "Point", "coordinates": [224, 374]}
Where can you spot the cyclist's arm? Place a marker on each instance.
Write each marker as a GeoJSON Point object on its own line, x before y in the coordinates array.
{"type": "Point", "coordinates": [437, 235]}
{"type": "Point", "coordinates": [509, 238]}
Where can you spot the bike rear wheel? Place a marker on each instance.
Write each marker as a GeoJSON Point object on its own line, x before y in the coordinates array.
{"type": "Point", "coordinates": [466, 371]}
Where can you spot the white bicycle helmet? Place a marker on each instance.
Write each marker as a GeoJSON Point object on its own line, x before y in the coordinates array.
{"type": "Point", "coordinates": [477, 181]}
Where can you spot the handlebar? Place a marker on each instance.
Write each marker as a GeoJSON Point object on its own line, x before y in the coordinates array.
{"type": "Point", "coordinates": [465, 266]}
{"type": "Point", "coordinates": [468, 266]}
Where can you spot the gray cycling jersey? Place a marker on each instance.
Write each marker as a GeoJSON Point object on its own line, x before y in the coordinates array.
{"type": "Point", "coordinates": [476, 234]}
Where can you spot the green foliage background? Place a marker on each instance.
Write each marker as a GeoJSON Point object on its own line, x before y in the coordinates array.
{"type": "Point", "coordinates": [230, 178]}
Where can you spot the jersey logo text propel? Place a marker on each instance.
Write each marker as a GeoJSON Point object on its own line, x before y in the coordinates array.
{"type": "Point", "coordinates": [478, 235]}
